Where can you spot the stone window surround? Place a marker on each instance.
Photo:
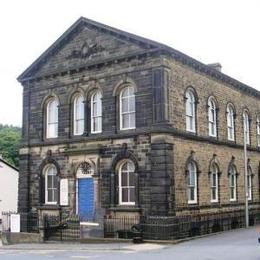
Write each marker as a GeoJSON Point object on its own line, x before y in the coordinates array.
{"type": "Point", "coordinates": [231, 108]}
{"type": "Point", "coordinates": [125, 154]}
{"type": "Point", "coordinates": [120, 191]}
{"type": "Point", "coordinates": [55, 101]}
{"type": "Point", "coordinates": [54, 189]}
{"type": "Point", "coordinates": [192, 159]}
{"type": "Point", "coordinates": [232, 169]}
{"type": "Point", "coordinates": [97, 116]}
{"type": "Point", "coordinates": [76, 97]}
{"type": "Point", "coordinates": [212, 107]}
{"type": "Point", "coordinates": [48, 161]}
{"type": "Point", "coordinates": [191, 90]}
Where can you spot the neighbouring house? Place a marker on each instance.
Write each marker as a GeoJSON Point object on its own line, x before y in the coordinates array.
{"type": "Point", "coordinates": [9, 187]}
{"type": "Point", "coordinates": [118, 125]}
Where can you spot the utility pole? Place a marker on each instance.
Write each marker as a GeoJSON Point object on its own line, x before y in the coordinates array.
{"type": "Point", "coordinates": [245, 176]}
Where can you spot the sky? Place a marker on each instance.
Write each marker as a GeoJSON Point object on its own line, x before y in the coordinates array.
{"type": "Point", "coordinates": [225, 31]}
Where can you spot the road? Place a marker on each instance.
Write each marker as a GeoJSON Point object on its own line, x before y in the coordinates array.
{"type": "Point", "coordinates": [238, 244]}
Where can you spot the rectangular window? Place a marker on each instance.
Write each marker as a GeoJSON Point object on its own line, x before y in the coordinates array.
{"type": "Point", "coordinates": [232, 187]}
{"type": "Point", "coordinates": [246, 127]}
{"type": "Point", "coordinates": [52, 119]}
{"type": "Point", "coordinates": [126, 188]}
{"type": "Point", "coordinates": [231, 135]}
{"type": "Point", "coordinates": [79, 115]}
{"type": "Point", "coordinates": [249, 187]}
{"type": "Point", "coordinates": [190, 115]}
{"type": "Point", "coordinates": [51, 196]}
{"type": "Point", "coordinates": [96, 113]}
{"type": "Point", "coordinates": [258, 132]}
{"type": "Point", "coordinates": [192, 186]}
{"type": "Point", "coordinates": [127, 108]}
{"type": "Point", "coordinates": [214, 187]}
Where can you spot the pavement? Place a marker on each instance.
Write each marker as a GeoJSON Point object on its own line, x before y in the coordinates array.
{"type": "Point", "coordinates": [238, 244]}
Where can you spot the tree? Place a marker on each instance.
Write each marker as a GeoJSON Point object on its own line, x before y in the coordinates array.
{"type": "Point", "coordinates": [10, 137]}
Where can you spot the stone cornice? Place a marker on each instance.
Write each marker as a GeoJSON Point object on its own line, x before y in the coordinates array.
{"type": "Point", "coordinates": [160, 129]}
{"type": "Point", "coordinates": [91, 65]}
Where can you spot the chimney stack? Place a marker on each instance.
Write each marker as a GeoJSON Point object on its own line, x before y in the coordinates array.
{"type": "Point", "coordinates": [216, 66]}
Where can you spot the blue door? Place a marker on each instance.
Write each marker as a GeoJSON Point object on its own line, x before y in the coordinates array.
{"type": "Point", "coordinates": [86, 199]}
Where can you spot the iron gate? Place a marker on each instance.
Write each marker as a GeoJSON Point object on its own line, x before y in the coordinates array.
{"type": "Point", "coordinates": [61, 227]}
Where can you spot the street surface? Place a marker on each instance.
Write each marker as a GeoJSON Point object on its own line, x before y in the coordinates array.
{"type": "Point", "coordinates": [238, 244]}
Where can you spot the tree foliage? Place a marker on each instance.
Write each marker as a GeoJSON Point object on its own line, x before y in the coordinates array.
{"type": "Point", "coordinates": [10, 137]}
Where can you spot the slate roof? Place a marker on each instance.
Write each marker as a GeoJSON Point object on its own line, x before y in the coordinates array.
{"type": "Point", "coordinates": [150, 46]}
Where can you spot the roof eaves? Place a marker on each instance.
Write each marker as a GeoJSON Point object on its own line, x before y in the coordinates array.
{"type": "Point", "coordinates": [8, 164]}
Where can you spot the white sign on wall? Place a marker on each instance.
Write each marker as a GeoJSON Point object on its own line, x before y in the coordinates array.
{"type": "Point", "coordinates": [64, 192]}
{"type": "Point", "coordinates": [15, 222]}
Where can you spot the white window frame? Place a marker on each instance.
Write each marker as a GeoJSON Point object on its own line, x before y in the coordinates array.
{"type": "Point", "coordinates": [258, 130]}
{"type": "Point", "coordinates": [190, 111]}
{"type": "Point", "coordinates": [192, 168]}
{"type": "Point", "coordinates": [212, 117]}
{"type": "Point", "coordinates": [78, 119]}
{"type": "Point", "coordinates": [96, 99]}
{"type": "Point", "coordinates": [130, 165]}
{"type": "Point", "coordinates": [230, 123]}
{"type": "Point", "coordinates": [214, 188]}
{"type": "Point", "coordinates": [53, 172]}
{"type": "Point", "coordinates": [128, 112]}
{"type": "Point", "coordinates": [52, 118]}
{"type": "Point", "coordinates": [232, 188]}
{"type": "Point", "coordinates": [246, 126]}
{"type": "Point", "coordinates": [249, 184]}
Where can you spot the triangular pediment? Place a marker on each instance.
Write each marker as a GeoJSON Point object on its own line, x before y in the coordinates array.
{"type": "Point", "coordinates": [84, 42]}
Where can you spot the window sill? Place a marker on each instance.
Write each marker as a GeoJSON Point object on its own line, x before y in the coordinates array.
{"type": "Point", "coordinates": [190, 203]}
{"type": "Point", "coordinates": [126, 208]}
{"type": "Point", "coordinates": [192, 132]}
{"type": "Point", "coordinates": [127, 129]}
{"type": "Point", "coordinates": [213, 136]}
{"type": "Point", "coordinates": [49, 207]}
{"type": "Point", "coordinates": [214, 202]}
{"type": "Point", "coordinates": [95, 133]}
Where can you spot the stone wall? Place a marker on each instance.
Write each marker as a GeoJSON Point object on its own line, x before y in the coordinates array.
{"type": "Point", "coordinates": [182, 77]}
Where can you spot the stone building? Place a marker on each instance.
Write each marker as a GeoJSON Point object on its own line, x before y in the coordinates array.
{"type": "Point", "coordinates": [116, 124]}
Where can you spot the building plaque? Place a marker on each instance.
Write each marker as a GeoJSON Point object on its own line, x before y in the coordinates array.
{"type": "Point", "coordinates": [64, 192]}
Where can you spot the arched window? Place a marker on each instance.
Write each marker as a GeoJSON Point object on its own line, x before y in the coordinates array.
{"type": "Point", "coordinates": [230, 123]}
{"type": "Point", "coordinates": [192, 183]}
{"type": "Point", "coordinates": [212, 117]}
{"type": "Point", "coordinates": [96, 112]}
{"type": "Point", "coordinates": [233, 183]}
{"type": "Point", "coordinates": [214, 183]}
{"type": "Point", "coordinates": [249, 183]}
{"type": "Point", "coordinates": [190, 111]}
{"type": "Point", "coordinates": [126, 183]}
{"type": "Point", "coordinates": [78, 115]}
{"type": "Point", "coordinates": [51, 184]}
{"type": "Point", "coordinates": [246, 127]}
{"type": "Point", "coordinates": [258, 130]}
{"type": "Point", "coordinates": [127, 108]}
{"type": "Point", "coordinates": [52, 118]}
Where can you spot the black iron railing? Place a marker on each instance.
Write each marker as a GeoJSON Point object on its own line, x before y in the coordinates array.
{"type": "Point", "coordinates": [119, 227]}
{"type": "Point", "coordinates": [177, 227]}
